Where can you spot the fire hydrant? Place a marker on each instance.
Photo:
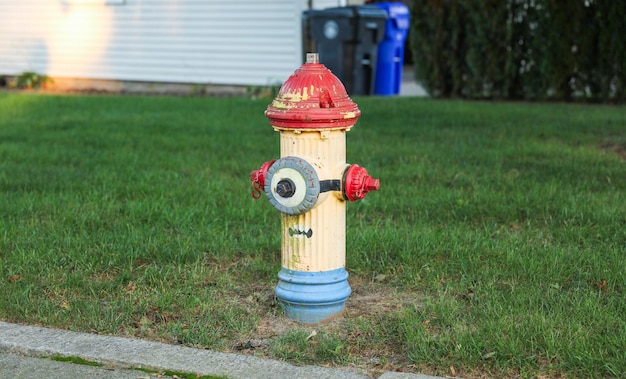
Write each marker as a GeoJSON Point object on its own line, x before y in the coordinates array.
{"type": "Point", "coordinates": [309, 185]}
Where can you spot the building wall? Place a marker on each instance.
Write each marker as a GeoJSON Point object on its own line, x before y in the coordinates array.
{"type": "Point", "coordinates": [238, 42]}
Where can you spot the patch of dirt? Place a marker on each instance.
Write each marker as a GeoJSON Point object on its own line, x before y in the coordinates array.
{"type": "Point", "coordinates": [369, 303]}
{"type": "Point", "coordinates": [616, 148]}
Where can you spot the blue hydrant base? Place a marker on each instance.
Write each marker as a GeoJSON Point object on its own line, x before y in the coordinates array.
{"type": "Point", "coordinates": [312, 297]}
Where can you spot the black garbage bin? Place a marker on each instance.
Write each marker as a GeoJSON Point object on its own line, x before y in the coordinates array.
{"type": "Point", "coordinates": [347, 39]}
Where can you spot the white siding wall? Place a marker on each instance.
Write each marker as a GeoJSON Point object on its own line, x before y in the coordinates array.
{"type": "Point", "coordinates": [246, 42]}
{"type": "Point", "coordinates": [321, 4]}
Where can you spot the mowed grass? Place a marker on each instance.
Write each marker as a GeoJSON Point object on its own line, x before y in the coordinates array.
{"type": "Point", "coordinates": [499, 230]}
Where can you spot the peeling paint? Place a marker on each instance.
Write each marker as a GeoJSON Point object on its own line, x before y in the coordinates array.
{"type": "Point", "coordinates": [281, 104]}
{"type": "Point", "coordinates": [296, 96]}
{"type": "Point", "coordinates": [315, 100]}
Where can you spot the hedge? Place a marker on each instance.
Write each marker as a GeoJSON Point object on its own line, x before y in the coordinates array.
{"type": "Point", "coordinates": [521, 49]}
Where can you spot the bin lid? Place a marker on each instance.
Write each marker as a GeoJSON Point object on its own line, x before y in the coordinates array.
{"type": "Point", "coordinates": [370, 12]}
{"type": "Point", "coordinates": [313, 98]}
{"type": "Point", "coordinates": [330, 12]}
{"type": "Point", "coordinates": [398, 14]}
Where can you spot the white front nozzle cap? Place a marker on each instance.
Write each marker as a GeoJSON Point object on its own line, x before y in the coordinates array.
{"type": "Point", "coordinates": [312, 58]}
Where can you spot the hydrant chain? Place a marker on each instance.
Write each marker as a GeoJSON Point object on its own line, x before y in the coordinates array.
{"type": "Point", "coordinates": [258, 178]}
{"type": "Point", "coordinates": [256, 189]}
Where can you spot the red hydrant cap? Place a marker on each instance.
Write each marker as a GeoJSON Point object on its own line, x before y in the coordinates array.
{"type": "Point", "coordinates": [357, 183]}
{"type": "Point", "coordinates": [312, 98]}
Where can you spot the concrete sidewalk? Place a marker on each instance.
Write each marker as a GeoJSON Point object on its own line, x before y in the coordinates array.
{"type": "Point", "coordinates": [25, 352]}
{"type": "Point", "coordinates": [409, 86]}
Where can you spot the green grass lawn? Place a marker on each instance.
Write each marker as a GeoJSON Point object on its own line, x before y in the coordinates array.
{"type": "Point", "coordinates": [496, 246]}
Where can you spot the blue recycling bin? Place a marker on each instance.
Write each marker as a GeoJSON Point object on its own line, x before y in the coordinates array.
{"type": "Point", "coordinates": [391, 49]}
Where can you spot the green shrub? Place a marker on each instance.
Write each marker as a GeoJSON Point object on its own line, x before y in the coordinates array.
{"type": "Point", "coordinates": [32, 80]}
{"type": "Point", "coordinates": [520, 49]}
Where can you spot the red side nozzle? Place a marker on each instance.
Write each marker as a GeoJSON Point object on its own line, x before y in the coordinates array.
{"type": "Point", "coordinates": [357, 183]}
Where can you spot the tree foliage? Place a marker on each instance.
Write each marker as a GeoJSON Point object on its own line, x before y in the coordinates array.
{"type": "Point", "coordinates": [521, 49]}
